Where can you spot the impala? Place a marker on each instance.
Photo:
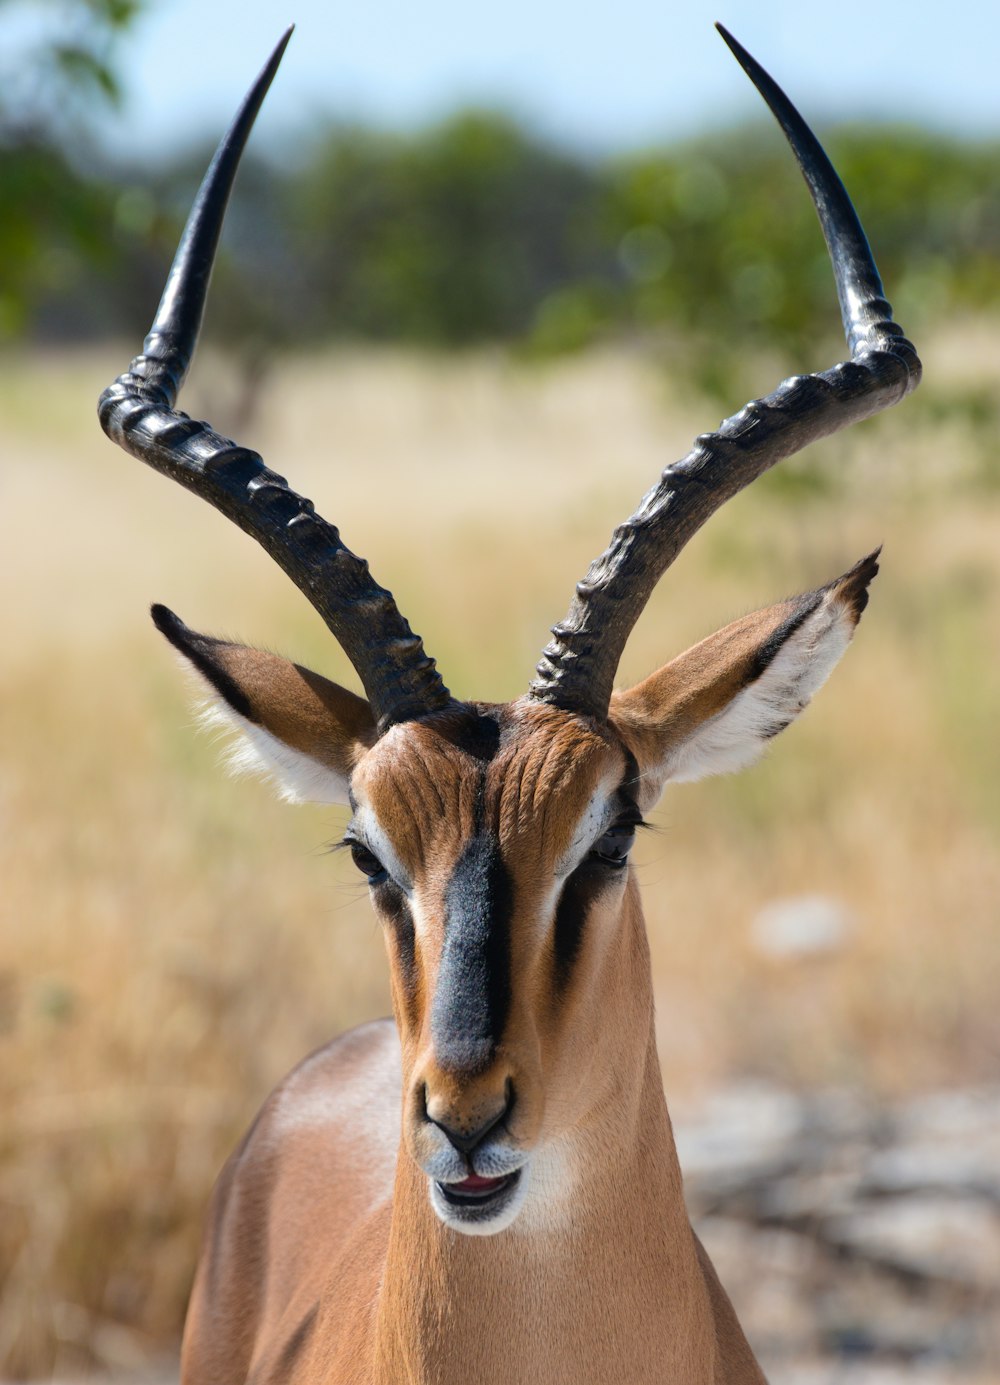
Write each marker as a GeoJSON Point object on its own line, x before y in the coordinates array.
{"type": "Point", "coordinates": [487, 1189]}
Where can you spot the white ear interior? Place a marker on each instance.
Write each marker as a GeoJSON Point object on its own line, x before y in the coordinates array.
{"type": "Point", "coordinates": [298, 777]}
{"type": "Point", "coordinates": [737, 735]}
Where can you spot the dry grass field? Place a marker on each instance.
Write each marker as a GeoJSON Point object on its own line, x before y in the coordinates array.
{"type": "Point", "coordinates": [171, 941]}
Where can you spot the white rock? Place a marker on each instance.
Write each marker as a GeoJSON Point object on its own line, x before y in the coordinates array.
{"type": "Point", "coordinates": [808, 925]}
{"type": "Point", "coordinates": [956, 1238]}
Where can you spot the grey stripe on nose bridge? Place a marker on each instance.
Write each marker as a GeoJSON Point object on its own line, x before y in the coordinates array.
{"type": "Point", "coordinates": [472, 996]}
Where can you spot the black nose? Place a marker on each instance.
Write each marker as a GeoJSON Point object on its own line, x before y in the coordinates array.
{"type": "Point", "coordinates": [465, 1141]}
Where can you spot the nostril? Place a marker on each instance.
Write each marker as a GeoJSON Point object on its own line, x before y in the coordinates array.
{"type": "Point", "coordinates": [466, 1140]}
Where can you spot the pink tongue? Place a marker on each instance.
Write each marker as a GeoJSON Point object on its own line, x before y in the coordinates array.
{"type": "Point", "coordinates": [475, 1184]}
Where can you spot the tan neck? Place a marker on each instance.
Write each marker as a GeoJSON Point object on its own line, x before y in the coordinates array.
{"type": "Point", "coordinates": [602, 1285]}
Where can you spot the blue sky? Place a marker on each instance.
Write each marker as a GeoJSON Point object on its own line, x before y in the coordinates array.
{"type": "Point", "coordinates": [596, 76]}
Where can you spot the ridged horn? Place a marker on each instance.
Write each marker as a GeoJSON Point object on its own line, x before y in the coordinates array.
{"type": "Point", "coordinates": [137, 412]}
{"type": "Point", "coordinates": [578, 666]}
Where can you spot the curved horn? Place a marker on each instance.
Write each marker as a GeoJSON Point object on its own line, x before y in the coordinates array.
{"type": "Point", "coordinates": [137, 412]}
{"type": "Point", "coordinates": [578, 666]}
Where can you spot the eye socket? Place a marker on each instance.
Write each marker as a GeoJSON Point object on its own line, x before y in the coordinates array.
{"type": "Point", "coordinates": [613, 848]}
{"type": "Point", "coordinates": [368, 863]}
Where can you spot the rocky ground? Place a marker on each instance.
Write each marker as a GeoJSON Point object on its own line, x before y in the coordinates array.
{"type": "Point", "coordinates": [862, 1239]}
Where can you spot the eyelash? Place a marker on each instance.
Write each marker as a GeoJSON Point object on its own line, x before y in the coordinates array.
{"type": "Point", "coordinates": [618, 841]}
{"type": "Point", "coordinates": [366, 861]}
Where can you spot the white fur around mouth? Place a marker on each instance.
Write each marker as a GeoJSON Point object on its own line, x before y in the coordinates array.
{"type": "Point", "coordinates": [484, 1214]}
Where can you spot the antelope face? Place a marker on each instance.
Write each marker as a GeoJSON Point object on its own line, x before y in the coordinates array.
{"type": "Point", "coordinates": [495, 841]}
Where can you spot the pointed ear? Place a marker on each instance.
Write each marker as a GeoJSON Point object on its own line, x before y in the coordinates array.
{"type": "Point", "coordinates": [300, 730]}
{"type": "Point", "coordinates": [714, 708]}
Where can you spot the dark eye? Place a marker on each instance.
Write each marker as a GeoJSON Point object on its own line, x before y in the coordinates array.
{"type": "Point", "coordinates": [613, 848]}
{"type": "Point", "coordinates": [368, 863]}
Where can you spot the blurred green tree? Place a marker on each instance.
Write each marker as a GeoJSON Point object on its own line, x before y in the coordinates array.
{"type": "Point", "coordinates": [717, 240]}
{"type": "Point", "coordinates": [448, 236]}
{"type": "Point", "coordinates": [57, 58]}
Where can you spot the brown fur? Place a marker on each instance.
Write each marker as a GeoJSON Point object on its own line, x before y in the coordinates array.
{"type": "Point", "coordinates": [324, 1261]}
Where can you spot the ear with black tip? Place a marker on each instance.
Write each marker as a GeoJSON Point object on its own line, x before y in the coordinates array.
{"type": "Point", "coordinates": [302, 731]}
{"type": "Point", "coordinates": [714, 709]}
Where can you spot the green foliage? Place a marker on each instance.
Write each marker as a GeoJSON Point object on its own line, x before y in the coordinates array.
{"type": "Point", "coordinates": [718, 239]}
{"type": "Point", "coordinates": [56, 58]}
{"type": "Point", "coordinates": [52, 233]}
{"type": "Point", "coordinates": [451, 236]}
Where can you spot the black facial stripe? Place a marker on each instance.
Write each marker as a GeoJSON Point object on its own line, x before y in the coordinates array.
{"type": "Point", "coordinates": [583, 886]}
{"type": "Point", "coordinates": [472, 999]}
{"type": "Point", "coordinates": [578, 894]}
{"type": "Point", "coordinates": [478, 807]}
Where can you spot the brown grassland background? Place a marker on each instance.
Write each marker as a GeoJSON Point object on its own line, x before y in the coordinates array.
{"type": "Point", "coordinates": [171, 941]}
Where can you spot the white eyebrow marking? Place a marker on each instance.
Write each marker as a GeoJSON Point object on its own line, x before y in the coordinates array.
{"type": "Point", "coordinates": [370, 830]}
{"type": "Point", "coordinates": [594, 818]}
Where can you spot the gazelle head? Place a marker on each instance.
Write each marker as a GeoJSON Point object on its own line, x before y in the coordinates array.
{"type": "Point", "coordinates": [495, 838]}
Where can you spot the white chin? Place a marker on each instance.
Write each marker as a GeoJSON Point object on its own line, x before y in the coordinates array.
{"type": "Point", "coordinates": [476, 1218]}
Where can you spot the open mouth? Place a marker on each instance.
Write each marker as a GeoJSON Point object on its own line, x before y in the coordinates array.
{"type": "Point", "coordinates": [478, 1206]}
{"type": "Point", "coordinates": [477, 1192]}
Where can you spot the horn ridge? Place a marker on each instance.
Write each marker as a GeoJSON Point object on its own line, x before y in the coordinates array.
{"type": "Point", "coordinates": [578, 666]}
{"type": "Point", "coordinates": [137, 412]}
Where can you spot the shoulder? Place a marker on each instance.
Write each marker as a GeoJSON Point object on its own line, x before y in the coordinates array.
{"type": "Point", "coordinates": [342, 1098]}
{"type": "Point", "coordinates": [316, 1164]}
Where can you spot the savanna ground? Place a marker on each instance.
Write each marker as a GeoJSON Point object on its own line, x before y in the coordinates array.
{"type": "Point", "coordinates": [172, 941]}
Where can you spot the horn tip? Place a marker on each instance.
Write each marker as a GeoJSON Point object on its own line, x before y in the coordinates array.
{"type": "Point", "coordinates": [745, 60]}
{"type": "Point", "coordinates": [271, 66]}
{"type": "Point", "coordinates": [282, 44]}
